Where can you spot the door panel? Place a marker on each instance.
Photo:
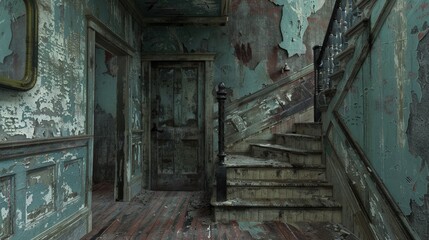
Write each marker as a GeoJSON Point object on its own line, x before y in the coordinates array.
{"type": "Point", "coordinates": [176, 125]}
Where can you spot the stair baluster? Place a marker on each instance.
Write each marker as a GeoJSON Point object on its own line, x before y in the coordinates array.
{"type": "Point", "coordinates": [345, 14]}
{"type": "Point", "coordinates": [221, 169]}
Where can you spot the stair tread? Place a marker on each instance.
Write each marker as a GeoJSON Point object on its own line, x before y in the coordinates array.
{"type": "Point", "coordinates": [299, 135]}
{"type": "Point", "coordinates": [281, 203]}
{"type": "Point", "coordinates": [248, 161]}
{"type": "Point", "coordinates": [288, 149]}
{"type": "Point", "coordinates": [271, 183]}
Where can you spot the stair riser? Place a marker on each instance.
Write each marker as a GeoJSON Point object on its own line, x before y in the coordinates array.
{"type": "Point", "coordinates": [299, 142]}
{"type": "Point", "coordinates": [276, 174]}
{"type": "Point", "coordinates": [313, 130]}
{"type": "Point", "coordinates": [257, 193]}
{"type": "Point", "coordinates": [308, 159]}
{"type": "Point", "coordinates": [277, 214]}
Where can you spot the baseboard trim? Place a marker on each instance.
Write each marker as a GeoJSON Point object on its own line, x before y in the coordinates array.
{"type": "Point", "coordinates": [68, 226]}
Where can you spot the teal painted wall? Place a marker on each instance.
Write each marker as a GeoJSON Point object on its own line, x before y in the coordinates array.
{"type": "Point", "coordinates": [386, 111]}
{"type": "Point", "coordinates": [45, 141]}
{"type": "Point", "coordinates": [12, 62]}
{"type": "Point", "coordinates": [253, 47]}
{"type": "Point", "coordinates": [106, 77]}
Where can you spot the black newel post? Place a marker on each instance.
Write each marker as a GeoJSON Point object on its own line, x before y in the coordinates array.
{"type": "Point", "coordinates": [221, 169]}
{"type": "Point", "coordinates": [316, 54]}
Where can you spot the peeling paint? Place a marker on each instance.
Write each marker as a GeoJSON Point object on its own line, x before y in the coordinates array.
{"type": "Point", "coordinates": [400, 68]}
{"type": "Point", "coordinates": [248, 55]}
{"type": "Point", "coordinates": [19, 219]}
{"type": "Point", "coordinates": [294, 23]}
{"type": "Point", "coordinates": [385, 110]}
{"type": "Point", "coordinates": [29, 200]}
{"type": "Point", "coordinates": [4, 213]}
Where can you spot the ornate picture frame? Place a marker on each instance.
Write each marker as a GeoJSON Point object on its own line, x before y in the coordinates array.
{"type": "Point", "coordinates": [18, 48]}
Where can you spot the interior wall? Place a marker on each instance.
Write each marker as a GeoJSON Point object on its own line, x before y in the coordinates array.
{"type": "Point", "coordinates": [45, 134]}
{"type": "Point", "coordinates": [259, 38]}
{"type": "Point", "coordinates": [385, 110]}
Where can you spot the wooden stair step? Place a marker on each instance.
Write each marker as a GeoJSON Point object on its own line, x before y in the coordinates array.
{"type": "Point", "coordinates": [254, 189]}
{"type": "Point", "coordinates": [290, 183]}
{"type": "Point", "coordinates": [276, 173]}
{"type": "Point", "coordinates": [286, 149]}
{"type": "Point", "coordinates": [304, 136]}
{"type": "Point", "coordinates": [309, 128]}
{"type": "Point", "coordinates": [288, 210]}
{"type": "Point", "coordinates": [250, 168]}
{"type": "Point", "coordinates": [286, 154]}
{"type": "Point", "coordinates": [249, 161]}
{"type": "Point", "coordinates": [299, 141]}
{"type": "Point", "coordinates": [300, 203]}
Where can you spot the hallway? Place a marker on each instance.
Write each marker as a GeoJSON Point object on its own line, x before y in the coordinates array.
{"type": "Point", "coordinates": [184, 215]}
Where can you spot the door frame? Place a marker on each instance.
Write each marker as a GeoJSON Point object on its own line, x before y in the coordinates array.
{"type": "Point", "coordinates": [207, 140]}
{"type": "Point", "coordinates": [99, 34]}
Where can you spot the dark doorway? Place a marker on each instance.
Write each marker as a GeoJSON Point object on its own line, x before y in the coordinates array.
{"type": "Point", "coordinates": [109, 117]}
{"type": "Point", "coordinates": [105, 116]}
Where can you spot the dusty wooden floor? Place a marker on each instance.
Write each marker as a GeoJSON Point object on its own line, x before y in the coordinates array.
{"type": "Point", "coordinates": [181, 215]}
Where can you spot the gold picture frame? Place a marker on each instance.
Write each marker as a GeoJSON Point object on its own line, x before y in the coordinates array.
{"type": "Point", "coordinates": [18, 63]}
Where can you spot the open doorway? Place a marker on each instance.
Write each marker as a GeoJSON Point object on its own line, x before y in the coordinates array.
{"type": "Point", "coordinates": [106, 122]}
{"type": "Point", "coordinates": [114, 115]}
{"type": "Point", "coordinates": [108, 67]}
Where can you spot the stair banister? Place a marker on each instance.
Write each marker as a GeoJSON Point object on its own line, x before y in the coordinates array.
{"type": "Point", "coordinates": [316, 53]}
{"type": "Point", "coordinates": [345, 14]}
{"type": "Point", "coordinates": [221, 169]}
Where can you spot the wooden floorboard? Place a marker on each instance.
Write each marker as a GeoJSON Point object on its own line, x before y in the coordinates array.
{"type": "Point", "coordinates": [174, 215]}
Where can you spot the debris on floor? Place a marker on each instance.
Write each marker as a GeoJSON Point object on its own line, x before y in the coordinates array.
{"type": "Point", "coordinates": [187, 215]}
{"type": "Point", "coordinates": [326, 231]}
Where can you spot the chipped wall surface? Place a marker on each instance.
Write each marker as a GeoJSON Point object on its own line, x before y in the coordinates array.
{"type": "Point", "coordinates": [294, 23]}
{"type": "Point", "coordinates": [56, 106]}
{"type": "Point", "coordinates": [45, 143]}
{"type": "Point", "coordinates": [248, 51]}
{"type": "Point", "coordinates": [40, 190]}
{"type": "Point", "coordinates": [386, 111]}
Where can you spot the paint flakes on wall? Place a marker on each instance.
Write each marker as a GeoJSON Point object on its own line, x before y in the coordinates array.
{"type": "Point", "coordinates": [294, 23]}
{"type": "Point", "coordinates": [40, 193]}
{"type": "Point", "coordinates": [56, 105]}
{"type": "Point", "coordinates": [254, 33]}
{"type": "Point", "coordinates": [71, 186]}
{"type": "Point", "coordinates": [419, 108]}
{"type": "Point", "coordinates": [6, 206]}
{"type": "Point", "coordinates": [417, 133]}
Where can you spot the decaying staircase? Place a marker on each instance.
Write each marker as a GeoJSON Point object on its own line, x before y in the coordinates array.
{"type": "Point", "coordinates": [284, 180]}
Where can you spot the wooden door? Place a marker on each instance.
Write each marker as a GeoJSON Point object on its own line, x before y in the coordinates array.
{"type": "Point", "coordinates": [176, 125]}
